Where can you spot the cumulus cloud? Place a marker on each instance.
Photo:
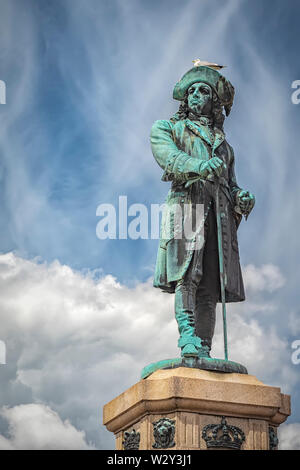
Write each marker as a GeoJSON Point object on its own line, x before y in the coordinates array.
{"type": "Point", "coordinates": [37, 427]}
{"type": "Point", "coordinates": [294, 322]}
{"type": "Point", "coordinates": [289, 436]}
{"type": "Point", "coordinates": [75, 341]}
{"type": "Point", "coordinates": [267, 278]}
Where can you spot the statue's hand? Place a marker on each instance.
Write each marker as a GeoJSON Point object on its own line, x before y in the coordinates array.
{"type": "Point", "coordinates": [213, 166]}
{"type": "Point", "coordinates": [245, 201]}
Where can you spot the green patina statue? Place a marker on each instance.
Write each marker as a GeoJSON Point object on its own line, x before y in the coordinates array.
{"type": "Point", "coordinates": [196, 158]}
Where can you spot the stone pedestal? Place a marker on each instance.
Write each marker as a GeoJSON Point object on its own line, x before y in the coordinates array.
{"type": "Point", "coordinates": [191, 400]}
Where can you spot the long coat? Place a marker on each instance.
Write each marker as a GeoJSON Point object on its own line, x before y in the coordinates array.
{"type": "Point", "coordinates": [177, 148]}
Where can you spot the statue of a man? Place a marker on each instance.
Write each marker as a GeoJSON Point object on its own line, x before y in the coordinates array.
{"type": "Point", "coordinates": [192, 150]}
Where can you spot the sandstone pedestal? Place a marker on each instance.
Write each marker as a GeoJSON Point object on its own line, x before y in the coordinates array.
{"type": "Point", "coordinates": [190, 400]}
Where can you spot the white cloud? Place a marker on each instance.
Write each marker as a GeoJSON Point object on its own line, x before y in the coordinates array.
{"type": "Point", "coordinates": [257, 346]}
{"type": "Point", "coordinates": [78, 342]}
{"type": "Point", "coordinates": [37, 427]}
{"type": "Point", "coordinates": [294, 323]}
{"type": "Point", "coordinates": [75, 341]}
{"type": "Point", "coordinates": [289, 436]}
{"type": "Point", "coordinates": [267, 278]}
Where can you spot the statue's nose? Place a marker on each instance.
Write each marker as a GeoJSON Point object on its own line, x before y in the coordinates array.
{"type": "Point", "coordinates": [196, 94]}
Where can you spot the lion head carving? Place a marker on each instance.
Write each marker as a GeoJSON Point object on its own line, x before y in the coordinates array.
{"type": "Point", "coordinates": [164, 432]}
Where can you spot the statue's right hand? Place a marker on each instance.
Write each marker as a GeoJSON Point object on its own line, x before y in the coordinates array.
{"type": "Point", "coordinates": [213, 166]}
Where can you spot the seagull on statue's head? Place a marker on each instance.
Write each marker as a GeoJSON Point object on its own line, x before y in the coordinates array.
{"type": "Point", "coordinates": [198, 63]}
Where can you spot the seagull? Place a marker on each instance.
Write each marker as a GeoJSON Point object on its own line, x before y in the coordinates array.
{"type": "Point", "coordinates": [198, 63]}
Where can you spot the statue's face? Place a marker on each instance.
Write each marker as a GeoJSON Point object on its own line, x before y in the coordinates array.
{"type": "Point", "coordinates": [200, 99]}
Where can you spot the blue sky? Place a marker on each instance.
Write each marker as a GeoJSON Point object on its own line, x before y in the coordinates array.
{"type": "Point", "coordinates": [85, 81]}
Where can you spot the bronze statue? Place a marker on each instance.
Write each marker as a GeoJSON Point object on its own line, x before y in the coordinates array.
{"type": "Point", "coordinates": [196, 158]}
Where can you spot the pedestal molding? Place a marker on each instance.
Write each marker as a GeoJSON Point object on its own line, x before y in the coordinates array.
{"type": "Point", "coordinates": [194, 393]}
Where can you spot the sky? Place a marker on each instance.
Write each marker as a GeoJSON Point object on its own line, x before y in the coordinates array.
{"type": "Point", "coordinates": [85, 80]}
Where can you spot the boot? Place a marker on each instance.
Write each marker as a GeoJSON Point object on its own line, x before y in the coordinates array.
{"type": "Point", "coordinates": [204, 350]}
{"type": "Point", "coordinates": [190, 346]}
{"type": "Point", "coordinates": [188, 341]}
{"type": "Point", "coordinates": [205, 323]}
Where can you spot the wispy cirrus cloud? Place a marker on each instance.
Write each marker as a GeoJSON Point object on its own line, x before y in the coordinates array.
{"type": "Point", "coordinates": [82, 96]}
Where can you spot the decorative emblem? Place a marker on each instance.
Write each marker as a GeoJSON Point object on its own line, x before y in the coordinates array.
{"type": "Point", "coordinates": [223, 435]}
{"type": "Point", "coordinates": [131, 440]}
{"type": "Point", "coordinates": [164, 432]}
{"type": "Point", "coordinates": [273, 439]}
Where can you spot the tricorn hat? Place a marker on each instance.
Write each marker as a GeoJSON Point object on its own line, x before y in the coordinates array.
{"type": "Point", "coordinates": [210, 76]}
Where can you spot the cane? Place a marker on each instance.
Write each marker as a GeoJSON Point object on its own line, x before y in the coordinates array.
{"type": "Point", "coordinates": [221, 266]}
